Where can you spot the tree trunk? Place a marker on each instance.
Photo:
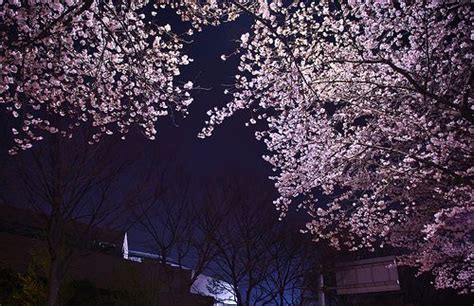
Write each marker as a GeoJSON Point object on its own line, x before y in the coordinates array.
{"type": "Point", "coordinates": [281, 295]}
{"type": "Point", "coordinates": [321, 296]}
{"type": "Point", "coordinates": [238, 296]}
{"type": "Point", "coordinates": [55, 227]}
{"type": "Point", "coordinates": [54, 282]}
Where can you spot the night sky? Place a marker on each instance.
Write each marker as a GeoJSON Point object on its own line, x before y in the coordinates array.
{"type": "Point", "coordinates": [233, 146]}
{"type": "Point", "coordinates": [231, 151]}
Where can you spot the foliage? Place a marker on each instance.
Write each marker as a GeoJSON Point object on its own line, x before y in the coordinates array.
{"type": "Point", "coordinates": [29, 289]}
{"type": "Point", "coordinates": [25, 289]}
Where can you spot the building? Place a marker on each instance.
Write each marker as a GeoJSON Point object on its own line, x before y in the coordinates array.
{"type": "Point", "coordinates": [201, 286]}
{"type": "Point", "coordinates": [99, 257]}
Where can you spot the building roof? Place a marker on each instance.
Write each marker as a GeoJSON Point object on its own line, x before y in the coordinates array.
{"type": "Point", "coordinates": [31, 223]}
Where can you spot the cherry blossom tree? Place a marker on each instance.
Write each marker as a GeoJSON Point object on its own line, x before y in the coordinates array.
{"type": "Point", "coordinates": [109, 64]}
{"type": "Point", "coordinates": [106, 63]}
{"type": "Point", "coordinates": [371, 107]}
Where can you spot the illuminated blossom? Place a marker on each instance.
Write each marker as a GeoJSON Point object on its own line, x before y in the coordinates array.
{"type": "Point", "coordinates": [66, 64]}
{"type": "Point", "coordinates": [371, 106]}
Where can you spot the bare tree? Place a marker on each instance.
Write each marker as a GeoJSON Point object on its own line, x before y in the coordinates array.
{"type": "Point", "coordinates": [179, 229]}
{"type": "Point", "coordinates": [290, 262]}
{"type": "Point", "coordinates": [75, 187]}
{"type": "Point", "coordinates": [266, 262]}
{"type": "Point", "coordinates": [242, 240]}
{"type": "Point", "coordinates": [227, 233]}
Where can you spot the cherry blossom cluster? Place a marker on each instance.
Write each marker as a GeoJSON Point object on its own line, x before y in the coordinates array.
{"type": "Point", "coordinates": [371, 107]}
{"type": "Point", "coordinates": [71, 62]}
{"type": "Point", "coordinates": [213, 12]}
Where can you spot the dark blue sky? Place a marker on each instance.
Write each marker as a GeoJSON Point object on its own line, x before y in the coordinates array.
{"type": "Point", "coordinates": [233, 146]}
